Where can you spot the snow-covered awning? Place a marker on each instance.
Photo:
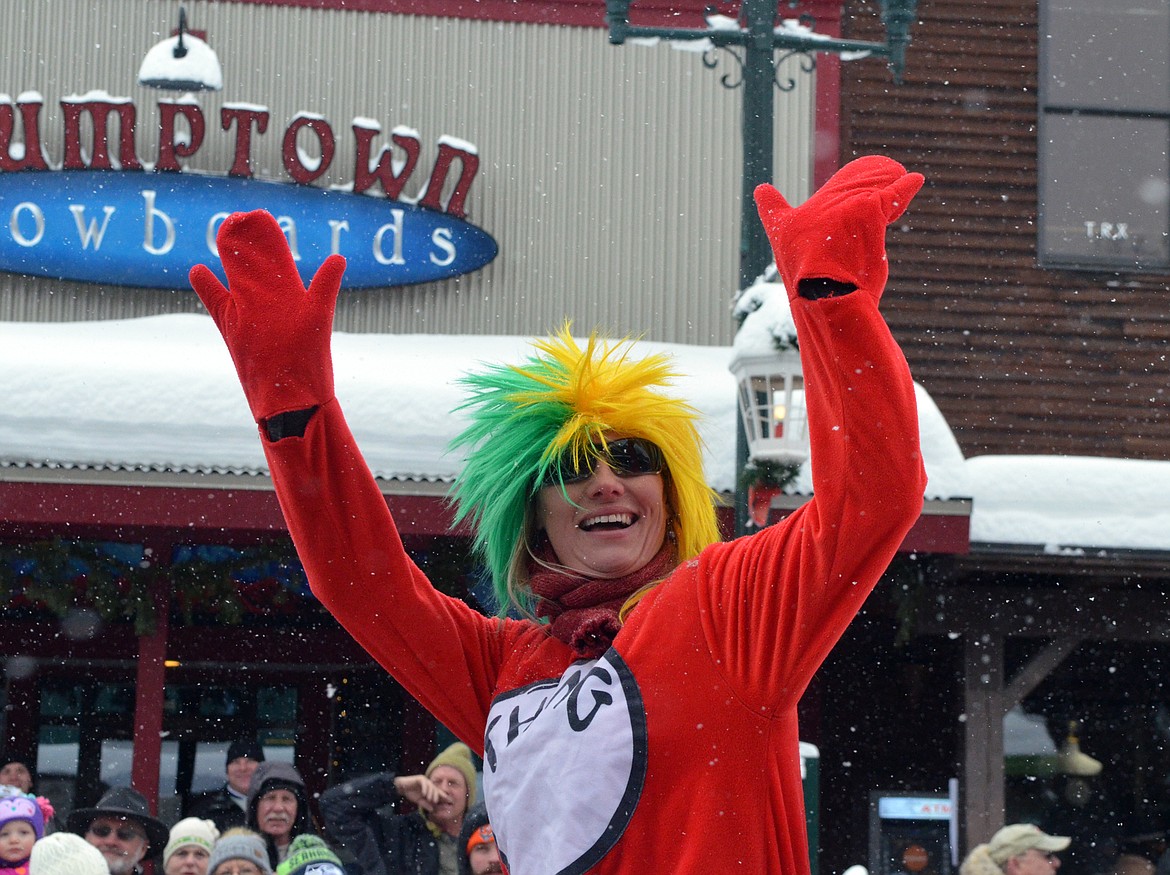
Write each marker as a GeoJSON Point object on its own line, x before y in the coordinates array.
{"type": "Point", "coordinates": [159, 395]}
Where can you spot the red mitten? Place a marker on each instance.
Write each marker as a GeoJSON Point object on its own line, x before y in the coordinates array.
{"type": "Point", "coordinates": [840, 232]}
{"type": "Point", "coordinates": [276, 331]}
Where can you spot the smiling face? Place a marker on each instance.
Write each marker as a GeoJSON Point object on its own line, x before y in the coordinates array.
{"type": "Point", "coordinates": [611, 526]}
{"type": "Point", "coordinates": [17, 775]}
{"type": "Point", "coordinates": [239, 773]}
{"type": "Point", "coordinates": [276, 812]}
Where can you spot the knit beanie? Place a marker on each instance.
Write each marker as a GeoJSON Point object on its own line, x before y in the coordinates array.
{"type": "Point", "coordinates": [457, 756]}
{"type": "Point", "coordinates": [240, 844]}
{"type": "Point", "coordinates": [245, 747]}
{"type": "Point", "coordinates": [66, 853]}
{"type": "Point", "coordinates": [309, 855]}
{"type": "Point", "coordinates": [191, 831]}
{"type": "Point", "coordinates": [34, 810]}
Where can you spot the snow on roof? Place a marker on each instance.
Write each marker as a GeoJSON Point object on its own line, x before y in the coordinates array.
{"type": "Point", "coordinates": [1062, 504]}
{"type": "Point", "coordinates": [160, 394]}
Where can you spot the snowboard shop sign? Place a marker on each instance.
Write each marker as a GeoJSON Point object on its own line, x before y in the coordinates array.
{"type": "Point", "coordinates": [106, 217]}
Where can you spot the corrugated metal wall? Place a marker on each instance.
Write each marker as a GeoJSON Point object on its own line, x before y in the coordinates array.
{"type": "Point", "coordinates": [609, 176]}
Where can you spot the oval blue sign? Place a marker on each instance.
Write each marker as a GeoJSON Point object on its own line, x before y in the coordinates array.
{"type": "Point", "coordinates": [148, 229]}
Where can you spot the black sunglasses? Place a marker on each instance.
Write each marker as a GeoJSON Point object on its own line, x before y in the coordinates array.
{"type": "Point", "coordinates": [125, 833]}
{"type": "Point", "coordinates": [626, 457]}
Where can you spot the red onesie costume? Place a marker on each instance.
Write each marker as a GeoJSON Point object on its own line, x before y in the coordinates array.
{"type": "Point", "coordinates": [677, 750]}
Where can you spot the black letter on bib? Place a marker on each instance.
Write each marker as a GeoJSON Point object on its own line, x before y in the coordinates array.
{"type": "Point", "coordinates": [489, 749]}
{"type": "Point", "coordinates": [580, 724]}
{"type": "Point", "coordinates": [515, 723]}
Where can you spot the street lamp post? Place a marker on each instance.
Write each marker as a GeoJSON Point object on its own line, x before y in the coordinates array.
{"type": "Point", "coordinates": [759, 39]}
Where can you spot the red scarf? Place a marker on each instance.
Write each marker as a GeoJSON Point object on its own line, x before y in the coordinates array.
{"type": "Point", "coordinates": [583, 611]}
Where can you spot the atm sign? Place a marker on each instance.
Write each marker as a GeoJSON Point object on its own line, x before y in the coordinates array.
{"type": "Point", "coordinates": [914, 808]}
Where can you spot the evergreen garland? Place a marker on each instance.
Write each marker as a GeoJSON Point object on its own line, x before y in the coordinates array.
{"type": "Point", "coordinates": [767, 472]}
{"type": "Point", "coordinates": [118, 581]}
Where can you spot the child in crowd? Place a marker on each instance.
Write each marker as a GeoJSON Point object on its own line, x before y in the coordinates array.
{"type": "Point", "coordinates": [309, 855]}
{"type": "Point", "coordinates": [66, 853]}
{"type": "Point", "coordinates": [22, 823]}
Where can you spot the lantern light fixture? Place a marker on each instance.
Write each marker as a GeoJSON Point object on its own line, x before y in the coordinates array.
{"type": "Point", "coordinates": [771, 403]}
{"type": "Point", "coordinates": [183, 62]}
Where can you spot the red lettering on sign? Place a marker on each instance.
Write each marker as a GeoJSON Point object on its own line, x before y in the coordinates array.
{"type": "Point", "coordinates": [469, 164]}
{"type": "Point", "coordinates": [292, 160]}
{"type": "Point", "coordinates": [169, 150]}
{"type": "Point", "coordinates": [33, 158]}
{"type": "Point", "coordinates": [244, 119]}
{"type": "Point", "coordinates": [365, 174]}
{"type": "Point", "coordinates": [99, 111]}
{"type": "Point", "coordinates": [392, 167]}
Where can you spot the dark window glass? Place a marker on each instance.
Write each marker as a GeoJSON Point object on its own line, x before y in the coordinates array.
{"type": "Point", "coordinates": [1104, 135]}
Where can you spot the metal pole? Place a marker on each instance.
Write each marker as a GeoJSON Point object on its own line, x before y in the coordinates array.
{"type": "Point", "coordinates": [757, 34]}
{"type": "Point", "coordinates": [759, 73]}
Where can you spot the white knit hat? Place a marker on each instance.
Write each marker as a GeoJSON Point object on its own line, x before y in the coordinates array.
{"type": "Point", "coordinates": [65, 853]}
{"type": "Point", "coordinates": [191, 831]}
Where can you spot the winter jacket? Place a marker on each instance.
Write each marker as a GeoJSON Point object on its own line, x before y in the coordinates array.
{"type": "Point", "coordinates": [381, 842]}
{"type": "Point", "coordinates": [475, 818]}
{"type": "Point", "coordinates": [219, 807]}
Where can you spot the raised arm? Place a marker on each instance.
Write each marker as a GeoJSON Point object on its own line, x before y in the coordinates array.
{"type": "Point", "coordinates": [788, 592]}
{"type": "Point", "coordinates": [276, 330]}
{"type": "Point", "coordinates": [278, 333]}
{"type": "Point", "coordinates": [351, 817]}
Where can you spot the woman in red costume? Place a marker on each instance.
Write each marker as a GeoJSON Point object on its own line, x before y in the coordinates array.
{"type": "Point", "coordinates": [643, 717]}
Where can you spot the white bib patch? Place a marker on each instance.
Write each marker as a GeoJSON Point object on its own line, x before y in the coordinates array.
{"type": "Point", "coordinates": [564, 766]}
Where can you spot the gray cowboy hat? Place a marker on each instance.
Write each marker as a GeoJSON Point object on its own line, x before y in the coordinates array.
{"type": "Point", "coordinates": [124, 802]}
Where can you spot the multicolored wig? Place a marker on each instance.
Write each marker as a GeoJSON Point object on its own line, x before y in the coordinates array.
{"type": "Point", "coordinates": [565, 399]}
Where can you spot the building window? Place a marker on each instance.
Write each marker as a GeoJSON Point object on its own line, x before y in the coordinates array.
{"type": "Point", "coordinates": [1104, 135]}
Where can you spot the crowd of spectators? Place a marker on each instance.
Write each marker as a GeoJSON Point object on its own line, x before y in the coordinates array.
{"type": "Point", "coordinates": [259, 823]}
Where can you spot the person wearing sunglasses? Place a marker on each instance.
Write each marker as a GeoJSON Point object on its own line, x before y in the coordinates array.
{"type": "Point", "coordinates": [641, 682]}
{"type": "Point", "coordinates": [121, 827]}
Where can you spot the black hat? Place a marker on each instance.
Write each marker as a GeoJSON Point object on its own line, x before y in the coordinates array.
{"type": "Point", "coordinates": [245, 747]}
{"type": "Point", "coordinates": [123, 802]}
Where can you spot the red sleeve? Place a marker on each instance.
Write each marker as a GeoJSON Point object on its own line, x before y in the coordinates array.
{"type": "Point", "coordinates": [443, 652]}
{"type": "Point", "coordinates": [774, 604]}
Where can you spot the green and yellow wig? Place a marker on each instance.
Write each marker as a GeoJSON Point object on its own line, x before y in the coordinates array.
{"type": "Point", "coordinates": [565, 399]}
